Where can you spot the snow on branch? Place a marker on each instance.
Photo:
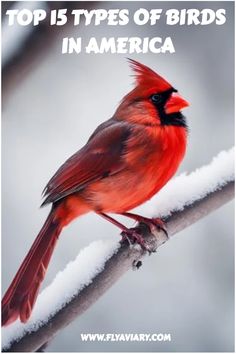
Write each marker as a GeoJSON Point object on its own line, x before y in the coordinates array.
{"type": "Point", "coordinates": [67, 283]}
{"type": "Point", "coordinates": [186, 188]}
{"type": "Point", "coordinates": [184, 200]}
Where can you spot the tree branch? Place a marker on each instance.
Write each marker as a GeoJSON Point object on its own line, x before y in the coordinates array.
{"type": "Point", "coordinates": [117, 265]}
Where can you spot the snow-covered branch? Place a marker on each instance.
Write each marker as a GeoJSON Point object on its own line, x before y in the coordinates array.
{"type": "Point", "coordinates": [183, 201]}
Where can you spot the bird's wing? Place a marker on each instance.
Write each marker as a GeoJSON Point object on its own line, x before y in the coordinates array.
{"type": "Point", "coordinates": [99, 158]}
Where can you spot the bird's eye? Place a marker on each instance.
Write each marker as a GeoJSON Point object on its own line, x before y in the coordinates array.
{"type": "Point", "coordinates": [156, 98]}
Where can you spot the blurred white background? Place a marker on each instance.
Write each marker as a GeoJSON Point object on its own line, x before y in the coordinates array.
{"type": "Point", "coordinates": [187, 288]}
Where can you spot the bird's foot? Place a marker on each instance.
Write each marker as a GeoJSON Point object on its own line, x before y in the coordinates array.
{"type": "Point", "coordinates": [153, 223]}
{"type": "Point", "coordinates": [132, 236]}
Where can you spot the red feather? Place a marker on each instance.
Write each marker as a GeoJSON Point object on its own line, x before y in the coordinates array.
{"type": "Point", "coordinates": [99, 158]}
{"type": "Point", "coordinates": [19, 299]}
{"type": "Point", "coordinates": [147, 78]}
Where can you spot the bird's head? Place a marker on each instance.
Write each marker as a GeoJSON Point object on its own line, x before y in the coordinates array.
{"type": "Point", "coordinates": [153, 101]}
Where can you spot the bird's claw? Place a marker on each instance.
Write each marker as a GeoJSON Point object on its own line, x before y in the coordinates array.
{"type": "Point", "coordinates": [132, 236]}
{"type": "Point", "coordinates": [157, 223]}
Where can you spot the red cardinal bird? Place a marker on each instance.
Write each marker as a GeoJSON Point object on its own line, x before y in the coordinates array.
{"type": "Point", "coordinates": [128, 159]}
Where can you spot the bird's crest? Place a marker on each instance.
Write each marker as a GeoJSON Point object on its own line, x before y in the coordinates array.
{"type": "Point", "coordinates": [146, 77]}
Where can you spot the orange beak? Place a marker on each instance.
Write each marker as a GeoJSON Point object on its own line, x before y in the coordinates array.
{"type": "Point", "coordinates": [175, 103]}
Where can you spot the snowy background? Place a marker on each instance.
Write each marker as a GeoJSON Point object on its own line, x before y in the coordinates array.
{"type": "Point", "coordinates": [48, 114]}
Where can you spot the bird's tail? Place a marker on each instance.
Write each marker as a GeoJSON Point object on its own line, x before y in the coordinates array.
{"type": "Point", "coordinates": [21, 295]}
